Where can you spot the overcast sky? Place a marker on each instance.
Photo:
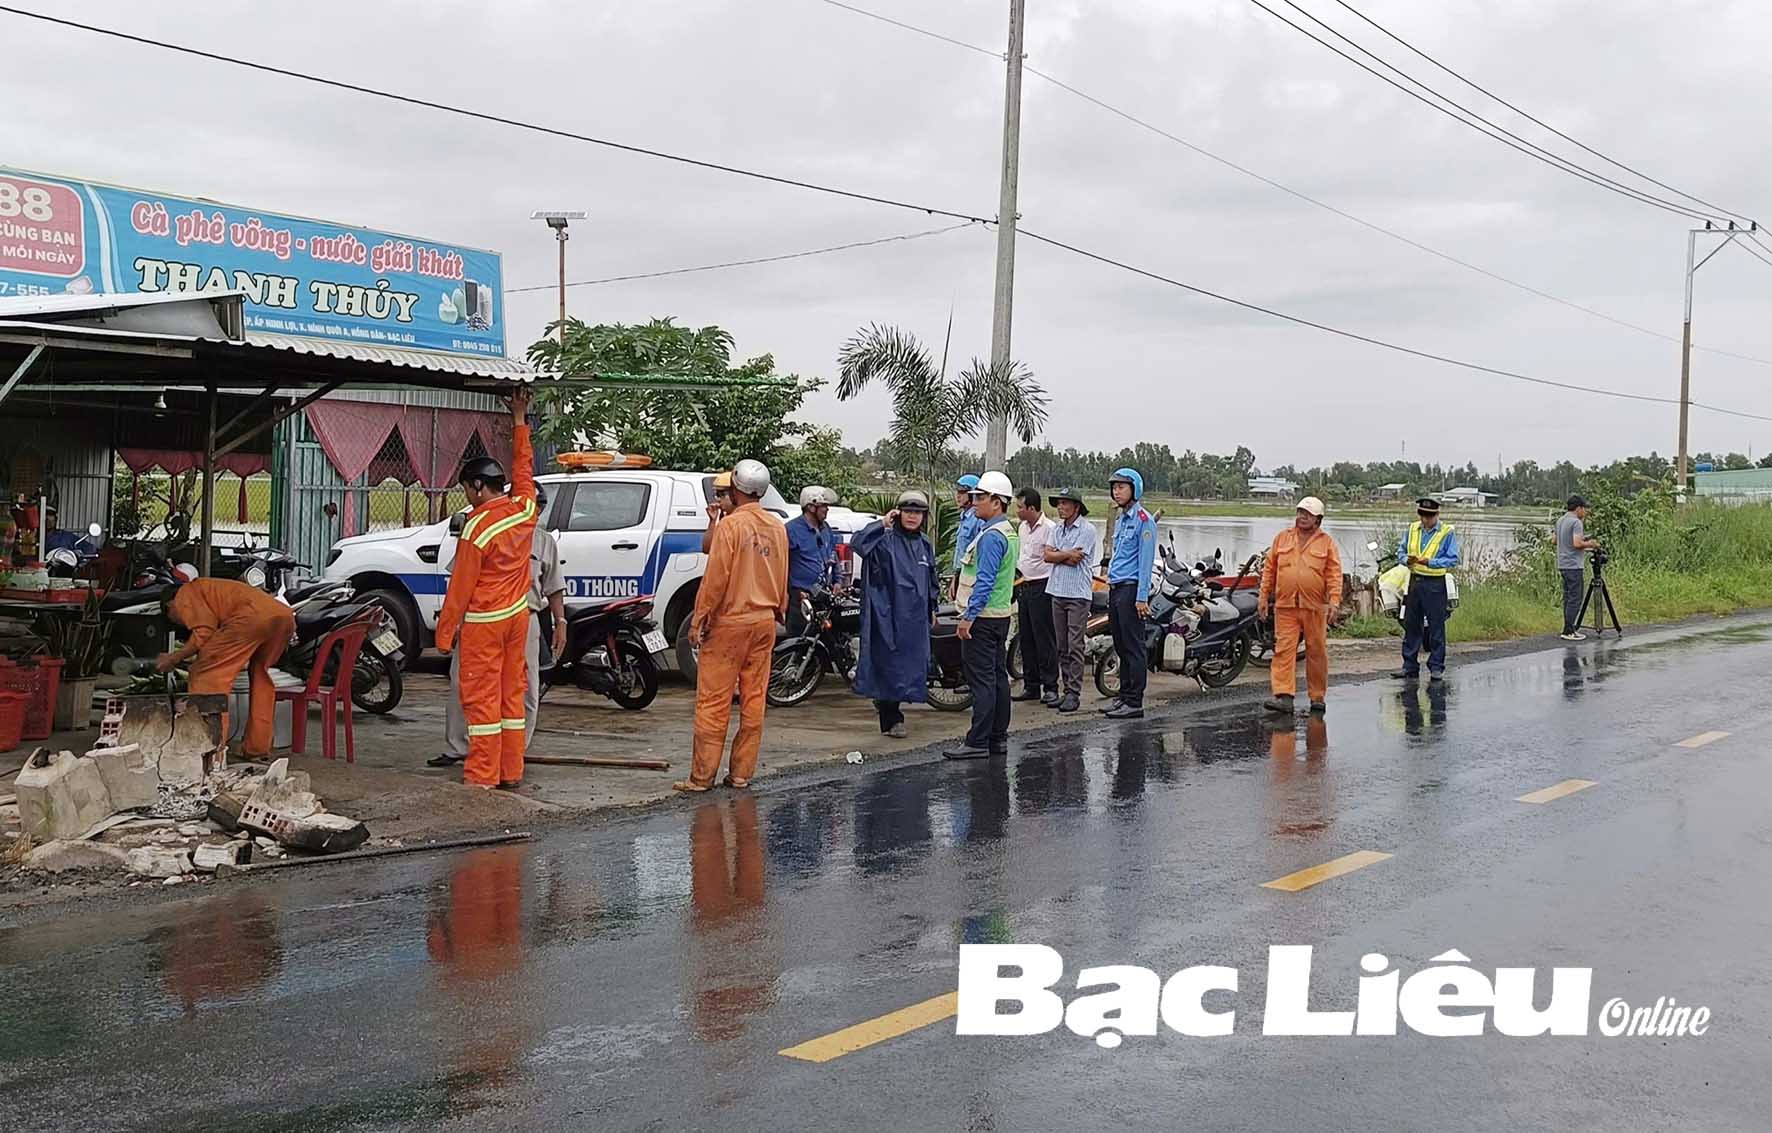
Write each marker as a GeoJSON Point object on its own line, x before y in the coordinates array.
{"type": "Point", "coordinates": [798, 87]}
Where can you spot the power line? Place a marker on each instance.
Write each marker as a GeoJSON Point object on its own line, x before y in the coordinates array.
{"type": "Point", "coordinates": [1476, 121]}
{"type": "Point", "coordinates": [1758, 255]}
{"type": "Point", "coordinates": [1533, 118]}
{"type": "Point", "coordinates": [497, 119]}
{"type": "Point", "coordinates": [1201, 151]}
{"type": "Point", "coordinates": [1370, 340]}
{"type": "Point", "coordinates": [744, 263]}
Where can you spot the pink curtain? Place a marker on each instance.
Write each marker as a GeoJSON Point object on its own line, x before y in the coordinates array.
{"type": "Point", "coordinates": [175, 461]}
{"type": "Point", "coordinates": [351, 433]}
{"type": "Point", "coordinates": [454, 427]}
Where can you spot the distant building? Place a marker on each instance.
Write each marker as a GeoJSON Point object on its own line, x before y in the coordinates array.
{"type": "Point", "coordinates": [1389, 491]}
{"type": "Point", "coordinates": [1275, 487]}
{"type": "Point", "coordinates": [1469, 497]}
{"type": "Point", "coordinates": [1740, 486]}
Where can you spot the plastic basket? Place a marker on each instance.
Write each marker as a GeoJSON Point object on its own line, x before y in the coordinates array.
{"type": "Point", "coordinates": [38, 681]}
{"type": "Point", "coordinates": [12, 719]}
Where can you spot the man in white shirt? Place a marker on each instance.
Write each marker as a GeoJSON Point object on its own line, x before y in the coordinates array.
{"type": "Point", "coordinates": [1039, 648]}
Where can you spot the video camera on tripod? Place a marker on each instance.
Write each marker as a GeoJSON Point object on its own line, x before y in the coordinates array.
{"type": "Point", "coordinates": [1599, 596]}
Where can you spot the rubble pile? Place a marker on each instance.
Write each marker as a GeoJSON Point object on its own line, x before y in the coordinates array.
{"type": "Point", "coordinates": [160, 801]}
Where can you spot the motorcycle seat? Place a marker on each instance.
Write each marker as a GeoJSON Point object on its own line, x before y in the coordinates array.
{"type": "Point", "coordinates": [1244, 601]}
{"type": "Point", "coordinates": [598, 607]}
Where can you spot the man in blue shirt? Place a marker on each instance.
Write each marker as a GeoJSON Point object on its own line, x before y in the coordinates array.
{"type": "Point", "coordinates": [1430, 550]}
{"type": "Point", "coordinates": [1129, 589]}
{"type": "Point", "coordinates": [968, 527]}
{"type": "Point", "coordinates": [987, 586]}
{"type": "Point", "coordinates": [812, 552]}
{"type": "Point", "coordinates": [1074, 550]}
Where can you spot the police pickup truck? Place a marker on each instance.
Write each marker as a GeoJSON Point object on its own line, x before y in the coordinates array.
{"type": "Point", "coordinates": [622, 533]}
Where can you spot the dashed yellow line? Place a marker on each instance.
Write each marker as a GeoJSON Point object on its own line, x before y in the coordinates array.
{"type": "Point", "coordinates": [1556, 791]}
{"type": "Point", "coordinates": [1317, 874]}
{"type": "Point", "coordinates": [888, 1026]}
{"type": "Point", "coordinates": [1702, 738]}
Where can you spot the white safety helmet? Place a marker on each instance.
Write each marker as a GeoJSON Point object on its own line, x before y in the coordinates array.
{"type": "Point", "coordinates": [813, 494]}
{"type": "Point", "coordinates": [1313, 505]}
{"type": "Point", "coordinates": [751, 477]}
{"type": "Point", "coordinates": [994, 484]}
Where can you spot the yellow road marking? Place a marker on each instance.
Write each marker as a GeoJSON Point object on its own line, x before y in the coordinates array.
{"type": "Point", "coordinates": [1305, 878]}
{"type": "Point", "coordinates": [1556, 791]}
{"type": "Point", "coordinates": [1701, 739]}
{"type": "Point", "coordinates": [888, 1026]}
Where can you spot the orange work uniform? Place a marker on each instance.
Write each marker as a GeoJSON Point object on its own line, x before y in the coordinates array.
{"type": "Point", "coordinates": [1302, 576]}
{"type": "Point", "coordinates": [234, 626]}
{"type": "Point", "coordinates": [487, 603]}
{"type": "Point", "coordinates": [743, 593]}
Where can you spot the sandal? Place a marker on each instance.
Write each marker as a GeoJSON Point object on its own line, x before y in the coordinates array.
{"type": "Point", "coordinates": [689, 786]}
{"type": "Point", "coordinates": [735, 784]}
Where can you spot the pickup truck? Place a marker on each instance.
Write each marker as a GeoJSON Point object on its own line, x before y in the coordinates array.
{"type": "Point", "coordinates": [622, 534]}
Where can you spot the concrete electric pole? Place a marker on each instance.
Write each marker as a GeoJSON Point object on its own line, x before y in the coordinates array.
{"type": "Point", "coordinates": [996, 437]}
{"type": "Point", "coordinates": [1682, 483]}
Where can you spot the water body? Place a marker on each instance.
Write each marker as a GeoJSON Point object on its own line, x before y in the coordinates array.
{"type": "Point", "coordinates": [1240, 536]}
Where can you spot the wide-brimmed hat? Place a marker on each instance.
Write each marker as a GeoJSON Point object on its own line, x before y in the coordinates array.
{"type": "Point", "coordinates": [1072, 495]}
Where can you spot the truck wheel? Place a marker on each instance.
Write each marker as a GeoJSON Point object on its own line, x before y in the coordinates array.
{"type": "Point", "coordinates": [404, 618]}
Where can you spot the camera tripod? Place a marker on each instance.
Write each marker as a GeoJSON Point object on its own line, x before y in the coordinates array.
{"type": "Point", "coordinates": [1597, 593]}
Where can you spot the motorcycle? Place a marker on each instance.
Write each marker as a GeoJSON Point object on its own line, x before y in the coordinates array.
{"type": "Point", "coordinates": [1198, 627]}
{"type": "Point", "coordinates": [830, 642]}
{"type": "Point", "coordinates": [948, 688]}
{"type": "Point", "coordinates": [614, 649]}
{"type": "Point", "coordinates": [376, 681]}
{"type": "Point", "coordinates": [1393, 584]}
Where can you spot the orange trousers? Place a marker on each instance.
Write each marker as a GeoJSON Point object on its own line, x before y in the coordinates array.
{"type": "Point", "coordinates": [494, 673]}
{"type": "Point", "coordinates": [1313, 626]}
{"type": "Point", "coordinates": [248, 639]}
{"type": "Point", "coordinates": [735, 656]}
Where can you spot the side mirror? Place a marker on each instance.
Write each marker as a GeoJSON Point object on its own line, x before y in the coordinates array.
{"type": "Point", "coordinates": [456, 523]}
{"type": "Point", "coordinates": [95, 530]}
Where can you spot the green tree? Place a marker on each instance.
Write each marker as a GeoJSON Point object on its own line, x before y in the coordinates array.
{"type": "Point", "coordinates": [931, 415]}
{"type": "Point", "coordinates": [701, 430]}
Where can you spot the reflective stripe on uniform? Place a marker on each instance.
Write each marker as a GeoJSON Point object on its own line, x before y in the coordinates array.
{"type": "Point", "coordinates": [514, 725]}
{"type": "Point", "coordinates": [511, 611]}
{"type": "Point", "coordinates": [1433, 548]}
{"type": "Point", "coordinates": [484, 729]}
{"type": "Point", "coordinates": [473, 525]}
{"type": "Point", "coordinates": [494, 530]}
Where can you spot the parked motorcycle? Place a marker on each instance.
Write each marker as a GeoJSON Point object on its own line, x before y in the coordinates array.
{"type": "Point", "coordinates": [614, 649]}
{"type": "Point", "coordinates": [376, 681]}
{"type": "Point", "coordinates": [831, 642]}
{"type": "Point", "coordinates": [1199, 628]}
{"type": "Point", "coordinates": [948, 689]}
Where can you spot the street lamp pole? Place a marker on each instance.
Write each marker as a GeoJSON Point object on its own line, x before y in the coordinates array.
{"type": "Point", "coordinates": [1681, 482]}
{"type": "Point", "coordinates": [557, 220]}
{"type": "Point", "coordinates": [996, 436]}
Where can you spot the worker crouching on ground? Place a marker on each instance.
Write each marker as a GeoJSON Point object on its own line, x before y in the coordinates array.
{"type": "Point", "coordinates": [487, 608]}
{"type": "Point", "coordinates": [987, 585]}
{"type": "Point", "coordinates": [1301, 594]}
{"type": "Point", "coordinates": [547, 592]}
{"type": "Point", "coordinates": [743, 596]}
{"type": "Point", "coordinates": [232, 626]}
{"type": "Point", "coordinates": [898, 603]}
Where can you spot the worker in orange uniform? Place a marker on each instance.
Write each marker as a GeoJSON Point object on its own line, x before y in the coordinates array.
{"type": "Point", "coordinates": [1302, 580]}
{"type": "Point", "coordinates": [487, 607]}
{"type": "Point", "coordinates": [743, 596]}
{"type": "Point", "coordinates": [232, 626]}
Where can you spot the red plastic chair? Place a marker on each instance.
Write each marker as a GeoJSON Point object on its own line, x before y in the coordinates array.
{"type": "Point", "coordinates": [347, 640]}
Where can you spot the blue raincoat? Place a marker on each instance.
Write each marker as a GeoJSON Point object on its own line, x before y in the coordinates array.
{"type": "Point", "coordinates": [898, 598]}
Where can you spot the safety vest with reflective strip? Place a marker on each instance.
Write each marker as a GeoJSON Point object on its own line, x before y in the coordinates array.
{"type": "Point", "coordinates": [1416, 550]}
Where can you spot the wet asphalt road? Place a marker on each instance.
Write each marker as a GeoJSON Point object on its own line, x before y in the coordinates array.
{"type": "Point", "coordinates": [646, 973]}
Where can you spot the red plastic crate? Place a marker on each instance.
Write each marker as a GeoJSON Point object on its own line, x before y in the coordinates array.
{"type": "Point", "coordinates": [12, 720]}
{"type": "Point", "coordinates": [39, 679]}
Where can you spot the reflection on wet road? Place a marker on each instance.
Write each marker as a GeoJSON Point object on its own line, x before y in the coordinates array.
{"type": "Point", "coordinates": [649, 972]}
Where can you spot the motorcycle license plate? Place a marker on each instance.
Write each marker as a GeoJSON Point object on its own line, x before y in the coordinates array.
{"type": "Point", "coordinates": [655, 641]}
{"type": "Point", "coordinates": [386, 642]}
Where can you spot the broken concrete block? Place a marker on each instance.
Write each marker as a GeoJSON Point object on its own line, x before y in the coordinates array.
{"type": "Point", "coordinates": [155, 861]}
{"type": "Point", "coordinates": [129, 779]}
{"type": "Point", "coordinates": [208, 856]}
{"type": "Point", "coordinates": [61, 796]}
{"type": "Point", "coordinates": [181, 739]}
{"type": "Point", "coordinates": [57, 856]}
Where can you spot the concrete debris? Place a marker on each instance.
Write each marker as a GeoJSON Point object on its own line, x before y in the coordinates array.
{"type": "Point", "coordinates": [209, 855]}
{"type": "Point", "coordinates": [194, 829]}
{"type": "Point", "coordinates": [176, 879]}
{"type": "Point", "coordinates": [180, 737]}
{"type": "Point", "coordinates": [131, 782]}
{"type": "Point", "coordinates": [853, 757]}
{"type": "Point", "coordinates": [54, 857]}
{"type": "Point", "coordinates": [154, 861]}
{"type": "Point", "coordinates": [61, 796]}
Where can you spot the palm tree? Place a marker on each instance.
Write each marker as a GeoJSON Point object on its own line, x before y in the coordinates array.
{"type": "Point", "coordinates": [930, 414]}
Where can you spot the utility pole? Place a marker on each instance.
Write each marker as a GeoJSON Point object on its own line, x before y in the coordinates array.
{"type": "Point", "coordinates": [1682, 482]}
{"type": "Point", "coordinates": [557, 220]}
{"type": "Point", "coordinates": [996, 436]}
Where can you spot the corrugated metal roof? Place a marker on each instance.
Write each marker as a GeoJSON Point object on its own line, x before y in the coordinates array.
{"type": "Point", "coordinates": [1725, 482]}
{"type": "Point", "coordinates": [507, 369]}
{"type": "Point", "coordinates": [29, 306]}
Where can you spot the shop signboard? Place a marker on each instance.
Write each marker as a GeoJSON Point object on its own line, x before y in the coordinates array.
{"type": "Point", "coordinates": [310, 278]}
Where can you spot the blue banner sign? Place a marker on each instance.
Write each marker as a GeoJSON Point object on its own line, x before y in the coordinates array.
{"type": "Point", "coordinates": [301, 277]}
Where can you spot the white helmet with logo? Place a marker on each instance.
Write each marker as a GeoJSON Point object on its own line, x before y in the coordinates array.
{"type": "Point", "coordinates": [751, 477]}
{"type": "Point", "coordinates": [994, 484]}
{"type": "Point", "coordinates": [814, 494]}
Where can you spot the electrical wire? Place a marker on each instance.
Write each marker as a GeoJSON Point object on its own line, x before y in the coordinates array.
{"type": "Point", "coordinates": [1476, 121]}
{"type": "Point", "coordinates": [743, 263]}
{"type": "Point", "coordinates": [1535, 119]}
{"type": "Point", "coordinates": [516, 123]}
{"type": "Point", "coordinates": [1758, 255]}
{"type": "Point", "coordinates": [1369, 339]}
{"type": "Point", "coordinates": [1354, 218]}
